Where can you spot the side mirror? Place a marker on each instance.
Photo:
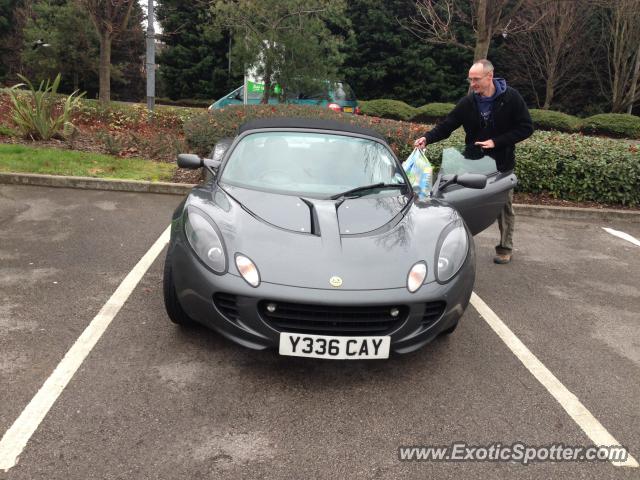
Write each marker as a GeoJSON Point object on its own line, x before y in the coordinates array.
{"type": "Point", "coordinates": [189, 160]}
{"type": "Point", "coordinates": [472, 180]}
{"type": "Point", "coordinates": [192, 161]}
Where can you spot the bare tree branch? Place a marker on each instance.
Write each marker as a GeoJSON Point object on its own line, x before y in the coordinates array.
{"type": "Point", "coordinates": [435, 20]}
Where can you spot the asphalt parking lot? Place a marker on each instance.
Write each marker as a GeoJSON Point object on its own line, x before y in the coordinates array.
{"type": "Point", "coordinates": [152, 400]}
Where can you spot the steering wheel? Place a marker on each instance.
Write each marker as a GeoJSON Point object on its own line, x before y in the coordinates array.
{"type": "Point", "coordinates": [275, 177]}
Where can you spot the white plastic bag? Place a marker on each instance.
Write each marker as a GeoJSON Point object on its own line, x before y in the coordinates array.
{"type": "Point", "coordinates": [419, 171]}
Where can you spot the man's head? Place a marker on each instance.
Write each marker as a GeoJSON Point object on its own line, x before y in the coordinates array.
{"type": "Point", "coordinates": [481, 77]}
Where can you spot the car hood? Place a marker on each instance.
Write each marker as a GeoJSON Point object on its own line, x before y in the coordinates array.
{"type": "Point", "coordinates": [369, 242]}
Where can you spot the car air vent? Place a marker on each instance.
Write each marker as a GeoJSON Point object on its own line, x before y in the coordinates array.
{"type": "Point", "coordinates": [332, 320]}
{"type": "Point", "coordinates": [432, 312]}
{"type": "Point", "coordinates": [227, 304]}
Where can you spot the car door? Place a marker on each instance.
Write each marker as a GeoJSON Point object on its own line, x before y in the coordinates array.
{"type": "Point", "coordinates": [478, 207]}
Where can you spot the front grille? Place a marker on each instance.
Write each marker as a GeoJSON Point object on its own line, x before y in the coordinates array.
{"type": "Point", "coordinates": [227, 304]}
{"type": "Point", "coordinates": [432, 312]}
{"type": "Point", "coordinates": [332, 320]}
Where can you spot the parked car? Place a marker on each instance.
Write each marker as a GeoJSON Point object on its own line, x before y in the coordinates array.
{"type": "Point", "coordinates": [307, 237]}
{"type": "Point", "coordinates": [337, 96]}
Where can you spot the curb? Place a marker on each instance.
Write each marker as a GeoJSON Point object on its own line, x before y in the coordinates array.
{"type": "Point", "coordinates": [576, 213]}
{"type": "Point", "coordinates": [88, 183]}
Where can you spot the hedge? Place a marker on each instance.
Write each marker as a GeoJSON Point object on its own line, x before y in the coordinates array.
{"type": "Point", "coordinates": [608, 124]}
{"type": "Point", "coordinates": [393, 109]}
{"type": "Point", "coordinates": [567, 166]}
{"type": "Point", "coordinates": [570, 166]}
{"type": "Point", "coordinates": [432, 112]}
{"type": "Point", "coordinates": [551, 120]}
{"type": "Point", "coordinates": [122, 116]}
{"type": "Point", "coordinates": [613, 124]}
{"type": "Point", "coordinates": [184, 102]}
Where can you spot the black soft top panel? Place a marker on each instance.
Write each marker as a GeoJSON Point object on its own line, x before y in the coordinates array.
{"type": "Point", "coordinates": [311, 123]}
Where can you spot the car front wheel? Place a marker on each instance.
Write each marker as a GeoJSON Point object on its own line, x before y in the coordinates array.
{"type": "Point", "coordinates": [449, 330]}
{"type": "Point", "coordinates": [176, 314]}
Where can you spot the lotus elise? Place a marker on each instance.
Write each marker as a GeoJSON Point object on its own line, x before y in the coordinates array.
{"type": "Point", "coordinates": [306, 237]}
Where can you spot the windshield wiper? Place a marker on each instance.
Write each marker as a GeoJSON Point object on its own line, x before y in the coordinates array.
{"type": "Point", "coordinates": [373, 186]}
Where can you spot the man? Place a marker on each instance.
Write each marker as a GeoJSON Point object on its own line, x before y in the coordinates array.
{"type": "Point", "coordinates": [495, 118]}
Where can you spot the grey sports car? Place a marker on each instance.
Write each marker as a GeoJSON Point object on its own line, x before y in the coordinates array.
{"type": "Point", "coordinates": [307, 237]}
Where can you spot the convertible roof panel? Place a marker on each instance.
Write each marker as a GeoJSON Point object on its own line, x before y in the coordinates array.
{"type": "Point", "coordinates": [310, 123]}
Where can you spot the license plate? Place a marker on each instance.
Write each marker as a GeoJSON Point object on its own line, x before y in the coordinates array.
{"type": "Point", "coordinates": [336, 348]}
{"type": "Point", "coordinates": [348, 109]}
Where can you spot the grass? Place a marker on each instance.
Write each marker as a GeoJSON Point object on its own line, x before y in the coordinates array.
{"type": "Point", "coordinates": [52, 161]}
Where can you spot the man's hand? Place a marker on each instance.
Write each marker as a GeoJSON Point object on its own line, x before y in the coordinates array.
{"type": "Point", "coordinates": [486, 144]}
{"type": "Point", "coordinates": [420, 143]}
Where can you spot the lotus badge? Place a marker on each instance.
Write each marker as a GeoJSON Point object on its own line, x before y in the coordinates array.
{"type": "Point", "coordinates": [335, 282]}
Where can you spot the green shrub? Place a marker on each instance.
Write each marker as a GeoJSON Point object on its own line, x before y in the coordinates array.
{"type": "Point", "coordinates": [550, 120]}
{"type": "Point", "coordinates": [613, 124]}
{"type": "Point", "coordinates": [7, 132]}
{"type": "Point", "coordinates": [569, 166]}
{"type": "Point", "coordinates": [392, 109]}
{"type": "Point", "coordinates": [574, 167]}
{"type": "Point", "coordinates": [112, 143]}
{"type": "Point", "coordinates": [125, 116]}
{"type": "Point", "coordinates": [432, 112]}
{"type": "Point", "coordinates": [39, 114]}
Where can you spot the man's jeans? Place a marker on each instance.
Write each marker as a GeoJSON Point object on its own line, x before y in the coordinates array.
{"type": "Point", "coordinates": [506, 222]}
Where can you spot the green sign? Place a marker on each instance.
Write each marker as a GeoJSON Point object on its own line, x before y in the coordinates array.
{"type": "Point", "coordinates": [253, 87]}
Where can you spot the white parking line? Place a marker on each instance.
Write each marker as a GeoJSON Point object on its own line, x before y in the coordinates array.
{"type": "Point", "coordinates": [16, 438]}
{"type": "Point", "coordinates": [576, 410]}
{"type": "Point", "coordinates": [622, 235]}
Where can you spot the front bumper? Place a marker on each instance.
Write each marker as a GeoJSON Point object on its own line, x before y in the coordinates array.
{"type": "Point", "coordinates": [196, 287]}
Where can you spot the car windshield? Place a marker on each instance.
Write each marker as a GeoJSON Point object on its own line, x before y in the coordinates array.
{"type": "Point", "coordinates": [471, 160]}
{"type": "Point", "coordinates": [313, 164]}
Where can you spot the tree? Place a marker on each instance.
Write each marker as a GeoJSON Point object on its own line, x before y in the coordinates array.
{"type": "Point", "coordinates": [551, 55]}
{"type": "Point", "coordinates": [73, 45]}
{"type": "Point", "coordinates": [285, 41]}
{"type": "Point", "coordinates": [128, 80]}
{"type": "Point", "coordinates": [437, 21]}
{"type": "Point", "coordinates": [13, 14]}
{"type": "Point", "coordinates": [110, 18]}
{"type": "Point", "coordinates": [73, 49]}
{"type": "Point", "coordinates": [621, 36]}
{"type": "Point", "coordinates": [384, 60]}
{"type": "Point", "coordinates": [194, 60]}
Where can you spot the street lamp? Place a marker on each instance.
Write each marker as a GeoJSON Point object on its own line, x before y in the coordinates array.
{"type": "Point", "coordinates": [151, 60]}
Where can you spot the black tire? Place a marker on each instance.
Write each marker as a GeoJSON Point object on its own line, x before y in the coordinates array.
{"type": "Point", "coordinates": [449, 330]}
{"type": "Point", "coordinates": [176, 314]}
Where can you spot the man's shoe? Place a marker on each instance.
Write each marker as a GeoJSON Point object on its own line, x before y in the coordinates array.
{"type": "Point", "coordinates": [502, 258]}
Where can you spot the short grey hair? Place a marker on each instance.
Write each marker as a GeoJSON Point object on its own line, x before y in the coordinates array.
{"type": "Point", "coordinates": [487, 66]}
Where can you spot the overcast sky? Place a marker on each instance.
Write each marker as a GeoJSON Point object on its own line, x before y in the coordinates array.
{"type": "Point", "coordinates": [144, 4]}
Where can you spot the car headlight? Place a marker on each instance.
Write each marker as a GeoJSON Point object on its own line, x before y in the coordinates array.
{"type": "Point", "coordinates": [452, 253]}
{"type": "Point", "coordinates": [205, 240]}
{"type": "Point", "coordinates": [416, 276]}
{"type": "Point", "coordinates": [248, 270]}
